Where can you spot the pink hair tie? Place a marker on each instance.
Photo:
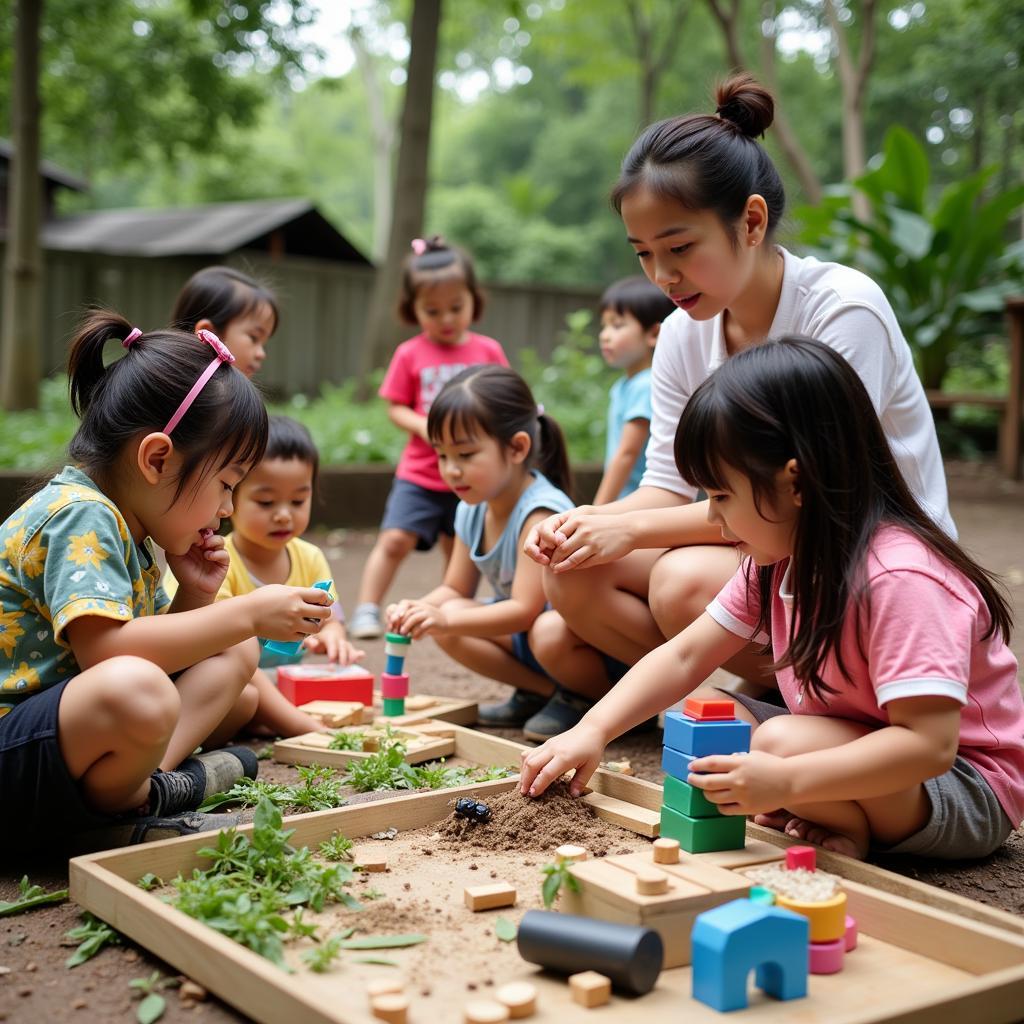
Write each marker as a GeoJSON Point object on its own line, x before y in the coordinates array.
{"type": "Point", "coordinates": [540, 409]}
{"type": "Point", "coordinates": [222, 356]}
{"type": "Point", "coordinates": [418, 246]}
{"type": "Point", "coordinates": [133, 336]}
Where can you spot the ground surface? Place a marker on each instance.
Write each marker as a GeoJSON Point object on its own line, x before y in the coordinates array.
{"type": "Point", "coordinates": [37, 987]}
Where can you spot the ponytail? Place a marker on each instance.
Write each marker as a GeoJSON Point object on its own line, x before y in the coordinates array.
{"type": "Point", "coordinates": [497, 401]}
{"type": "Point", "coordinates": [85, 360]}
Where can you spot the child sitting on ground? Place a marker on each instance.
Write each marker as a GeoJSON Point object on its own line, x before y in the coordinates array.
{"type": "Point", "coordinates": [106, 687]}
{"type": "Point", "coordinates": [631, 314]}
{"type": "Point", "coordinates": [240, 310]}
{"type": "Point", "coordinates": [440, 294]}
{"type": "Point", "coordinates": [904, 725]}
{"type": "Point", "coordinates": [272, 510]}
{"type": "Point", "coordinates": [505, 459]}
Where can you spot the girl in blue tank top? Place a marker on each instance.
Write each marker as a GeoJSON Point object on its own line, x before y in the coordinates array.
{"type": "Point", "coordinates": [506, 460]}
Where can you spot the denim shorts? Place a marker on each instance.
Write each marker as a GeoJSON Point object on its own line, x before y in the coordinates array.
{"type": "Point", "coordinates": [40, 798]}
{"type": "Point", "coordinates": [420, 511]}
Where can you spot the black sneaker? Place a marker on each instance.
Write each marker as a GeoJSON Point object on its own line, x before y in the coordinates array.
{"type": "Point", "coordinates": [149, 829]}
{"type": "Point", "coordinates": [513, 712]}
{"type": "Point", "coordinates": [562, 712]}
{"type": "Point", "coordinates": [197, 778]}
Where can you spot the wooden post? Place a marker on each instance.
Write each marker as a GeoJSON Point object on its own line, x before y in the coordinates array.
{"type": "Point", "coordinates": [1010, 441]}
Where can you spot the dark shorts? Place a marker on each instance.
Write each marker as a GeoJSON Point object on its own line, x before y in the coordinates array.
{"type": "Point", "coordinates": [762, 710]}
{"type": "Point", "coordinates": [417, 510]}
{"type": "Point", "coordinates": [522, 653]}
{"type": "Point", "coordinates": [41, 801]}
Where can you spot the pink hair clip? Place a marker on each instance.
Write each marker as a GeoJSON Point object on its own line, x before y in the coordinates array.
{"type": "Point", "coordinates": [222, 356]}
{"type": "Point", "coordinates": [133, 336]}
{"type": "Point", "coordinates": [418, 246]}
{"type": "Point", "coordinates": [540, 409]}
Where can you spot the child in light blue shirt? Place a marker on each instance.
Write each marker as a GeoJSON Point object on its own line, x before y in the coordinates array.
{"type": "Point", "coordinates": [631, 314]}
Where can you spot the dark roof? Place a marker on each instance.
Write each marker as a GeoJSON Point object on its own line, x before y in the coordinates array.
{"type": "Point", "coordinates": [212, 230]}
{"type": "Point", "coordinates": [49, 171]}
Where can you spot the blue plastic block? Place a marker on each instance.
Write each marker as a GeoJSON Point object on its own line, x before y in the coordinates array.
{"type": "Point", "coordinates": [292, 646]}
{"type": "Point", "coordinates": [698, 739]}
{"type": "Point", "coordinates": [675, 763]}
{"type": "Point", "coordinates": [735, 938]}
{"type": "Point", "coordinates": [394, 665]}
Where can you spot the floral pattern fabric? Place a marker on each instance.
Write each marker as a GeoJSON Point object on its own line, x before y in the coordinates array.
{"type": "Point", "coordinates": [65, 553]}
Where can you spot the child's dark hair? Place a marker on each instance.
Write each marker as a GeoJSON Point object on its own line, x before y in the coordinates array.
{"type": "Point", "coordinates": [710, 161]}
{"type": "Point", "coordinates": [289, 439]}
{"type": "Point", "coordinates": [438, 262]}
{"type": "Point", "coordinates": [644, 301]}
{"type": "Point", "coordinates": [796, 398]}
{"type": "Point", "coordinates": [139, 393]}
{"type": "Point", "coordinates": [220, 295]}
{"type": "Point", "coordinates": [498, 402]}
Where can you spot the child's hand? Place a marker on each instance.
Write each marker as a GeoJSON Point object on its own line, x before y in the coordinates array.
{"type": "Point", "coordinates": [288, 613]}
{"type": "Point", "coordinates": [580, 748]}
{"type": "Point", "coordinates": [416, 618]}
{"type": "Point", "coordinates": [333, 641]}
{"type": "Point", "coordinates": [541, 541]}
{"type": "Point", "coordinates": [201, 570]}
{"type": "Point", "coordinates": [753, 783]}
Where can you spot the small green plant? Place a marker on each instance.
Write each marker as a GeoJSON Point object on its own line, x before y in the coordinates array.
{"type": "Point", "coordinates": [318, 789]}
{"type": "Point", "coordinates": [265, 753]}
{"type": "Point", "coordinates": [29, 897]}
{"type": "Point", "coordinates": [386, 769]}
{"type": "Point", "coordinates": [153, 1004]}
{"type": "Point", "coordinates": [505, 929]}
{"type": "Point", "coordinates": [371, 894]}
{"type": "Point", "coordinates": [555, 877]}
{"type": "Point", "coordinates": [148, 882]}
{"type": "Point", "coordinates": [338, 847]}
{"type": "Point", "coordinates": [92, 935]}
{"type": "Point", "coordinates": [347, 740]}
{"type": "Point", "coordinates": [321, 958]}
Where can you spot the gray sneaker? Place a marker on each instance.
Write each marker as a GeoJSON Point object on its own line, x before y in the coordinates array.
{"type": "Point", "coordinates": [197, 778]}
{"type": "Point", "coordinates": [365, 623]}
{"type": "Point", "coordinates": [510, 714]}
{"type": "Point", "coordinates": [561, 713]}
{"type": "Point", "coordinates": [148, 829]}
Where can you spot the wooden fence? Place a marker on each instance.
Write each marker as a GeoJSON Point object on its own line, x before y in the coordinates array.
{"type": "Point", "coordinates": [323, 308]}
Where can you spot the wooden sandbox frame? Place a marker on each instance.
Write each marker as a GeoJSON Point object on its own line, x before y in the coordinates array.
{"type": "Point", "coordinates": [976, 951]}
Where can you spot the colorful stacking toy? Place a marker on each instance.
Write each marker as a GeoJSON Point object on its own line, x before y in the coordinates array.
{"type": "Point", "coordinates": [704, 727]}
{"type": "Point", "coordinates": [394, 680]}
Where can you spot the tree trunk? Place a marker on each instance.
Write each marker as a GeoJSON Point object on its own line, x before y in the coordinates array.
{"type": "Point", "coordinates": [21, 326]}
{"type": "Point", "coordinates": [410, 189]}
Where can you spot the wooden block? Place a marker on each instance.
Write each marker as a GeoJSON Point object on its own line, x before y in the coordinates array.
{"type": "Point", "coordinates": [336, 713]}
{"type": "Point", "coordinates": [637, 819]}
{"type": "Point", "coordinates": [485, 1011]}
{"type": "Point", "coordinates": [622, 767]}
{"type": "Point", "coordinates": [420, 702]}
{"type": "Point", "coordinates": [384, 987]}
{"type": "Point", "coordinates": [651, 882]}
{"type": "Point", "coordinates": [487, 897]}
{"type": "Point", "coordinates": [392, 1007]}
{"type": "Point", "coordinates": [375, 862]}
{"type": "Point", "coordinates": [666, 851]}
{"type": "Point", "coordinates": [520, 997]}
{"type": "Point", "coordinates": [571, 853]}
{"type": "Point", "coordinates": [371, 744]}
{"type": "Point", "coordinates": [428, 727]}
{"type": "Point", "coordinates": [590, 989]}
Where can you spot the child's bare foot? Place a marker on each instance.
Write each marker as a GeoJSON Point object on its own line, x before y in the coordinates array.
{"type": "Point", "coordinates": [777, 820]}
{"type": "Point", "coordinates": [837, 842]}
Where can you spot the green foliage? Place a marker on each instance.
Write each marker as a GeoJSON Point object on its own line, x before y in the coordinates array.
{"type": "Point", "coordinates": [153, 1004]}
{"type": "Point", "coordinates": [37, 438]}
{"type": "Point", "coordinates": [342, 740]}
{"type": "Point", "coordinates": [384, 941]}
{"type": "Point", "coordinates": [148, 882]}
{"type": "Point", "coordinates": [318, 789]}
{"type": "Point", "coordinates": [557, 876]}
{"type": "Point", "coordinates": [92, 935]}
{"type": "Point", "coordinates": [29, 897]}
{"type": "Point", "coordinates": [321, 958]}
{"type": "Point", "coordinates": [943, 263]}
{"type": "Point", "coordinates": [338, 847]}
{"type": "Point", "coordinates": [505, 929]}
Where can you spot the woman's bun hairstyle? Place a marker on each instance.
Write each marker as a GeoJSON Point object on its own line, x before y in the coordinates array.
{"type": "Point", "coordinates": [744, 102]}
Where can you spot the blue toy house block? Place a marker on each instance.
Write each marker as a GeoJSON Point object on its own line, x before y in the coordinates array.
{"type": "Point", "coordinates": [698, 739]}
{"type": "Point", "coordinates": [731, 940]}
{"type": "Point", "coordinates": [675, 763]}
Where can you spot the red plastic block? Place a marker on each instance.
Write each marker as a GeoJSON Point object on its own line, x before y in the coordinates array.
{"type": "Point", "coordinates": [304, 683]}
{"type": "Point", "coordinates": [394, 687]}
{"type": "Point", "coordinates": [801, 857]}
{"type": "Point", "coordinates": [709, 710]}
{"type": "Point", "coordinates": [827, 957]}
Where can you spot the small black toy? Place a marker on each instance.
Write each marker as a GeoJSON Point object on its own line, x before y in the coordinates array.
{"type": "Point", "coordinates": [474, 810]}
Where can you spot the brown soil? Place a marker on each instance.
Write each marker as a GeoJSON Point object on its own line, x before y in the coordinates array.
{"type": "Point", "coordinates": [38, 987]}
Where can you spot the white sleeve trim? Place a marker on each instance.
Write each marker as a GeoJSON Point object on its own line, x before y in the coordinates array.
{"type": "Point", "coordinates": [925, 686]}
{"type": "Point", "coordinates": [727, 620]}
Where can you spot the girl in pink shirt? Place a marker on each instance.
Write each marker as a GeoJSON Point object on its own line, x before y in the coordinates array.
{"type": "Point", "coordinates": [903, 725]}
{"type": "Point", "coordinates": [439, 293]}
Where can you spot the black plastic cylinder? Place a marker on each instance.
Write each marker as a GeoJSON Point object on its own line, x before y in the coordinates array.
{"type": "Point", "coordinates": [629, 955]}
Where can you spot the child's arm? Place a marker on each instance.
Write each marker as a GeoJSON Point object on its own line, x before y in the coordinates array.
{"type": "Point", "coordinates": [656, 682]}
{"type": "Point", "coordinates": [461, 579]}
{"type": "Point", "coordinates": [408, 420]}
{"type": "Point", "coordinates": [621, 464]}
{"type": "Point", "coordinates": [920, 742]}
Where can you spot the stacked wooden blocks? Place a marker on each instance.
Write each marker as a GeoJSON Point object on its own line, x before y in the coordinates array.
{"type": "Point", "coordinates": [394, 681]}
{"type": "Point", "coordinates": [704, 727]}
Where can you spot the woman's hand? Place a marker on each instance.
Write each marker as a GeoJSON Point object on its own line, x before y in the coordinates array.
{"type": "Point", "coordinates": [754, 783]}
{"type": "Point", "coordinates": [415, 618]}
{"type": "Point", "coordinates": [333, 641]}
{"type": "Point", "coordinates": [586, 537]}
{"type": "Point", "coordinates": [580, 748]}
{"type": "Point", "coordinates": [201, 570]}
{"type": "Point", "coordinates": [545, 536]}
{"type": "Point", "coordinates": [288, 613]}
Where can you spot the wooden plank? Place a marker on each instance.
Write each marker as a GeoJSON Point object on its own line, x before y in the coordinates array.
{"type": "Point", "coordinates": [625, 815]}
{"type": "Point", "coordinates": [312, 748]}
{"type": "Point", "coordinates": [638, 792]}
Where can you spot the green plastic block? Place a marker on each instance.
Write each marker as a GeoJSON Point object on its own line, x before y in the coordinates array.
{"type": "Point", "coordinates": [397, 638]}
{"type": "Point", "coordinates": [688, 800]}
{"type": "Point", "coordinates": [759, 894]}
{"type": "Point", "coordinates": [394, 706]}
{"type": "Point", "coordinates": [703, 835]}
